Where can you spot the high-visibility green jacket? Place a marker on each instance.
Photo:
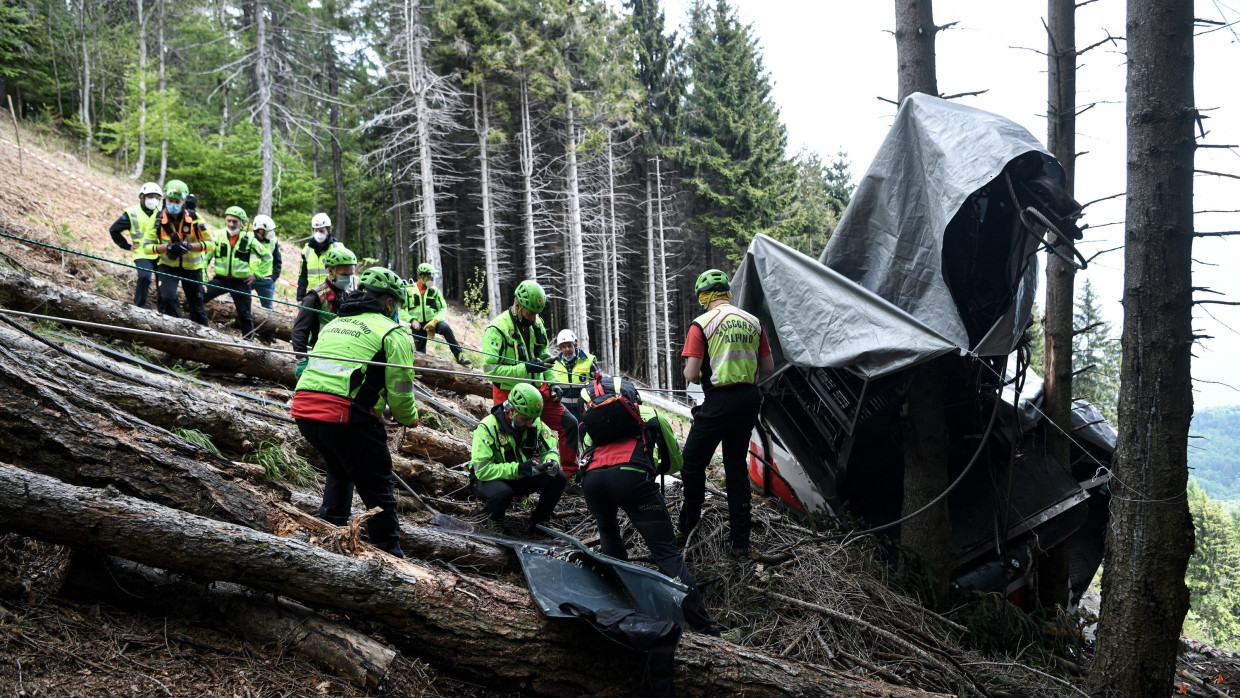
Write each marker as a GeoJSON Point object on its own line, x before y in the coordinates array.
{"type": "Point", "coordinates": [732, 340]}
{"type": "Point", "coordinates": [424, 305]}
{"type": "Point", "coordinates": [188, 229]}
{"type": "Point", "coordinates": [141, 227]}
{"type": "Point", "coordinates": [261, 258]}
{"type": "Point", "coordinates": [499, 449]}
{"type": "Point", "coordinates": [571, 374]}
{"type": "Point", "coordinates": [363, 332]}
{"type": "Point", "coordinates": [509, 348]}
{"type": "Point", "coordinates": [313, 271]}
{"type": "Point", "coordinates": [232, 259]}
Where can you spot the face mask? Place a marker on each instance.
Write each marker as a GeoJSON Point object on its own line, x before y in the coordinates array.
{"type": "Point", "coordinates": [233, 228]}
{"type": "Point", "coordinates": [342, 282]}
{"type": "Point", "coordinates": [320, 237]}
{"type": "Point", "coordinates": [174, 209]}
{"type": "Point", "coordinates": [152, 202]}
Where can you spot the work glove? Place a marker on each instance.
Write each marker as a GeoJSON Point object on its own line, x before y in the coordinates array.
{"type": "Point", "coordinates": [557, 393]}
{"type": "Point", "coordinates": [534, 368]}
{"type": "Point", "coordinates": [529, 469]}
{"type": "Point", "coordinates": [177, 249]}
{"type": "Point", "coordinates": [429, 328]}
{"type": "Point", "coordinates": [301, 366]}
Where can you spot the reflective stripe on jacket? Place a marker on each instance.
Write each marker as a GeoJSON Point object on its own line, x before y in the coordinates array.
{"type": "Point", "coordinates": [261, 256]}
{"type": "Point", "coordinates": [572, 374]}
{"type": "Point", "coordinates": [232, 260]}
{"type": "Point", "coordinates": [316, 273]}
{"type": "Point", "coordinates": [368, 336]}
{"type": "Point", "coordinates": [732, 340]}
{"type": "Point", "coordinates": [509, 349]}
{"type": "Point", "coordinates": [188, 229]}
{"type": "Point", "coordinates": [425, 305]}
{"type": "Point", "coordinates": [499, 450]}
{"type": "Point", "coordinates": [141, 227]}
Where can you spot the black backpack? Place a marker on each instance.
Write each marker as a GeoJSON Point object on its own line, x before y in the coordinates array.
{"type": "Point", "coordinates": [610, 410]}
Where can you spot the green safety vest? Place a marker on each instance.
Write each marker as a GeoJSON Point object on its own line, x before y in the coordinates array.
{"type": "Point", "coordinates": [732, 339]}
{"type": "Point", "coordinates": [262, 260]}
{"type": "Point", "coordinates": [316, 272]}
{"type": "Point", "coordinates": [141, 226]}
{"type": "Point", "coordinates": [233, 260]}
{"type": "Point", "coordinates": [371, 337]}
{"type": "Point", "coordinates": [425, 306]}
{"type": "Point", "coordinates": [508, 349]}
{"type": "Point", "coordinates": [572, 380]}
{"type": "Point", "coordinates": [188, 230]}
{"type": "Point", "coordinates": [497, 453]}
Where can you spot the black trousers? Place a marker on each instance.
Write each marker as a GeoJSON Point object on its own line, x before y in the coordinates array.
{"type": "Point", "coordinates": [357, 457]}
{"type": "Point", "coordinates": [239, 291]}
{"type": "Point", "coordinates": [443, 328]}
{"type": "Point", "coordinates": [497, 495]}
{"type": "Point", "coordinates": [728, 416]}
{"type": "Point", "coordinates": [146, 269]}
{"type": "Point", "coordinates": [610, 489]}
{"type": "Point", "coordinates": [191, 283]}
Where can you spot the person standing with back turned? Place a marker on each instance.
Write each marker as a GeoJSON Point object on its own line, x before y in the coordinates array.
{"type": "Point", "coordinates": [725, 351]}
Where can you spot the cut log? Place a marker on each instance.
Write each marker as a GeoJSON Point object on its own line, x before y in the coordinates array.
{"type": "Point", "coordinates": [457, 379]}
{"type": "Point", "coordinates": [268, 324]}
{"type": "Point", "coordinates": [30, 294]}
{"type": "Point", "coordinates": [232, 609]}
{"type": "Point", "coordinates": [489, 630]}
{"type": "Point", "coordinates": [431, 478]}
{"type": "Point", "coordinates": [435, 445]}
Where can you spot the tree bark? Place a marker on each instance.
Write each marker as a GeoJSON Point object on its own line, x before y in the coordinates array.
{"type": "Point", "coordinates": [915, 66]}
{"type": "Point", "coordinates": [667, 303]}
{"type": "Point", "coordinates": [490, 255]}
{"type": "Point", "coordinates": [26, 293]}
{"type": "Point", "coordinates": [262, 69]}
{"type": "Point", "coordinates": [268, 324]}
{"type": "Point", "coordinates": [137, 170]}
{"type": "Point", "coordinates": [923, 438]}
{"type": "Point", "coordinates": [527, 189]}
{"type": "Point", "coordinates": [419, 86]}
{"type": "Point", "coordinates": [1150, 536]}
{"type": "Point", "coordinates": [163, 96]}
{"type": "Point", "coordinates": [437, 446]}
{"type": "Point", "coordinates": [1057, 384]}
{"type": "Point", "coordinates": [489, 630]}
{"type": "Point", "coordinates": [232, 609]}
{"type": "Point", "coordinates": [576, 272]}
{"type": "Point", "coordinates": [652, 340]}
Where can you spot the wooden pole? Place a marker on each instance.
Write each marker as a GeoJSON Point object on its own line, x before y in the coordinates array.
{"type": "Point", "coordinates": [16, 134]}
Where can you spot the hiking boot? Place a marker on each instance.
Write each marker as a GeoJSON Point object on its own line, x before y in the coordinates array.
{"type": "Point", "coordinates": [739, 553]}
{"type": "Point", "coordinates": [464, 360]}
{"type": "Point", "coordinates": [682, 537]}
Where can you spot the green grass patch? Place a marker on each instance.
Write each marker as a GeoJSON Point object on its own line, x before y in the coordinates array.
{"type": "Point", "coordinates": [280, 464]}
{"type": "Point", "coordinates": [198, 437]}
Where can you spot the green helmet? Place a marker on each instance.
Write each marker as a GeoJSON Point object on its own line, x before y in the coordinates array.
{"type": "Point", "coordinates": [712, 280]}
{"type": "Point", "coordinates": [338, 255]}
{"type": "Point", "coordinates": [526, 400]}
{"type": "Point", "coordinates": [176, 189]}
{"type": "Point", "coordinates": [382, 280]}
{"type": "Point", "coordinates": [426, 269]}
{"type": "Point", "coordinates": [531, 296]}
{"type": "Point", "coordinates": [236, 211]}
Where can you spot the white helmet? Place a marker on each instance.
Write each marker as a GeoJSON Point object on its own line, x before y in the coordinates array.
{"type": "Point", "coordinates": [320, 220]}
{"type": "Point", "coordinates": [150, 188]}
{"type": "Point", "coordinates": [263, 222]}
{"type": "Point", "coordinates": [565, 336]}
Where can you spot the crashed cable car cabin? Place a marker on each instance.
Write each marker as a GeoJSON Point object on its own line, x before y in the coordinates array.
{"type": "Point", "coordinates": [933, 267]}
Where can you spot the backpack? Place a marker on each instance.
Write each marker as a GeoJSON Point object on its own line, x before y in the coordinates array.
{"type": "Point", "coordinates": [610, 410]}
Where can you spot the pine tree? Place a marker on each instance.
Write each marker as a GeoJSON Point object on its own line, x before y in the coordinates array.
{"type": "Point", "coordinates": [734, 154]}
{"type": "Point", "coordinates": [1213, 572]}
{"type": "Point", "coordinates": [1095, 354]}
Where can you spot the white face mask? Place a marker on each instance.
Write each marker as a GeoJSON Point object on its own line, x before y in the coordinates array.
{"type": "Point", "coordinates": [152, 202]}
{"type": "Point", "coordinates": [343, 282]}
{"type": "Point", "coordinates": [234, 227]}
{"type": "Point", "coordinates": [319, 237]}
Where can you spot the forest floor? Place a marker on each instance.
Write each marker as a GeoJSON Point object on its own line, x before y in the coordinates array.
{"type": "Point", "coordinates": [56, 645]}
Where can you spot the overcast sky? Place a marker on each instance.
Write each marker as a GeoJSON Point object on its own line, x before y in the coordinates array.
{"type": "Point", "coordinates": [832, 60]}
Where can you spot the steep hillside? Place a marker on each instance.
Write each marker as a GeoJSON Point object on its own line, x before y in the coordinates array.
{"type": "Point", "coordinates": [1214, 452]}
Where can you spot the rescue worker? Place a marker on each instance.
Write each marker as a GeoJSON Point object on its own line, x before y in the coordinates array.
{"type": "Point", "coordinates": [183, 245]}
{"type": "Point", "coordinates": [621, 475]}
{"type": "Point", "coordinates": [338, 404]}
{"type": "Point", "coordinates": [514, 343]}
{"type": "Point", "coordinates": [572, 368]}
{"type": "Point", "coordinates": [269, 265]}
{"type": "Point", "coordinates": [140, 221]}
{"type": "Point", "coordinates": [514, 455]}
{"type": "Point", "coordinates": [233, 274]}
{"type": "Point", "coordinates": [341, 265]}
{"type": "Point", "coordinates": [312, 271]}
{"type": "Point", "coordinates": [426, 311]}
{"type": "Point", "coordinates": [725, 351]}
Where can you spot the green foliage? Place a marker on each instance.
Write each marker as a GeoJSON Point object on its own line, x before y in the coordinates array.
{"type": "Point", "coordinates": [823, 192]}
{"type": "Point", "coordinates": [476, 294]}
{"type": "Point", "coordinates": [1213, 573]}
{"type": "Point", "coordinates": [1214, 452]}
{"type": "Point", "coordinates": [1038, 344]}
{"type": "Point", "coordinates": [997, 625]}
{"type": "Point", "coordinates": [280, 464]}
{"type": "Point", "coordinates": [198, 437]}
{"type": "Point", "coordinates": [1095, 355]}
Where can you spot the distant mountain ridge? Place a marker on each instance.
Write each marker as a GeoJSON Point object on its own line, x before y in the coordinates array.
{"type": "Point", "coordinates": [1214, 452]}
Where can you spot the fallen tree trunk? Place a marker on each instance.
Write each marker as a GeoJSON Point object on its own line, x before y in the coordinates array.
{"type": "Point", "coordinates": [431, 478]}
{"type": "Point", "coordinates": [456, 378]}
{"type": "Point", "coordinates": [268, 324]}
{"type": "Point", "coordinates": [175, 336]}
{"type": "Point", "coordinates": [232, 609]}
{"type": "Point", "coordinates": [486, 629]}
{"type": "Point", "coordinates": [435, 445]}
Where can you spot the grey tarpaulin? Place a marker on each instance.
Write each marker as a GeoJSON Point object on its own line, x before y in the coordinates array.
{"type": "Point", "coordinates": [890, 239]}
{"type": "Point", "coordinates": [817, 318]}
